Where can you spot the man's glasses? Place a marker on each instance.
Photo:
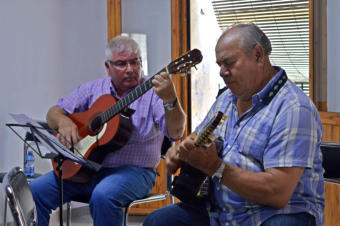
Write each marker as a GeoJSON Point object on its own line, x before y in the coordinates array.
{"type": "Point", "coordinates": [122, 64]}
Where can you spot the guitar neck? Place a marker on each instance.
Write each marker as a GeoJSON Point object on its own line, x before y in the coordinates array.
{"type": "Point", "coordinates": [128, 99]}
{"type": "Point", "coordinates": [205, 137]}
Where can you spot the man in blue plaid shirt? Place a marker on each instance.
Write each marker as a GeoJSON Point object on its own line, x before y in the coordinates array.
{"type": "Point", "coordinates": [269, 171]}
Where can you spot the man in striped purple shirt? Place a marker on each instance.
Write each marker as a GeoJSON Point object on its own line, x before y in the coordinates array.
{"type": "Point", "coordinates": [128, 173]}
{"type": "Point", "coordinates": [269, 171]}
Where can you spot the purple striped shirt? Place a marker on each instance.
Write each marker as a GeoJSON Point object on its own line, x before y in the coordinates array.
{"type": "Point", "coordinates": [144, 146]}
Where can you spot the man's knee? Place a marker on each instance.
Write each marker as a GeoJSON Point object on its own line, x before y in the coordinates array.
{"type": "Point", "coordinates": [298, 219]}
{"type": "Point", "coordinates": [156, 218]}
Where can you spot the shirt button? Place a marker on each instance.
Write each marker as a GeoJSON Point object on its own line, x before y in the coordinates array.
{"type": "Point", "coordinates": [228, 146]}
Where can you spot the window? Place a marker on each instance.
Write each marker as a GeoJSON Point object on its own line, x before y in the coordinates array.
{"type": "Point", "coordinates": [286, 22]}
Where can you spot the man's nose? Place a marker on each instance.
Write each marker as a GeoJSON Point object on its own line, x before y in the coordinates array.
{"type": "Point", "coordinates": [129, 66]}
{"type": "Point", "coordinates": [224, 71]}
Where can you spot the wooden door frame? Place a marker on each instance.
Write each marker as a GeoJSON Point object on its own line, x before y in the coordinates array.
{"type": "Point", "coordinates": [114, 18]}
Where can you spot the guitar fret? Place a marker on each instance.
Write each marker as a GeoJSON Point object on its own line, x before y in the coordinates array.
{"type": "Point", "coordinates": [107, 115]}
{"type": "Point", "coordinates": [139, 90]}
{"type": "Point", "coordinates": [102, 117]}
{"type": "Point", "coordinates": [120, 104]}
{"type": "Point", "coordinates": [124, 102]}
{"type": "Point", "coordinates": [110, 112]}
{"type": "Point", "coordinates": [148, 84]}
{"type": "Point", "coordinates": [143, 87]}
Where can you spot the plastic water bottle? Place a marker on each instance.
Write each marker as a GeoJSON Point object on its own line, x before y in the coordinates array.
{"type": "Point", "coordinates": [29, 164]}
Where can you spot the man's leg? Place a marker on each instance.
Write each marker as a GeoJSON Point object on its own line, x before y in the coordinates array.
{"type": "Point", "coordinates": [298, 219]}
{"type": "Point", "coordinates": [179, 214]}
{"type": "Point", "coordinates": [119, 187]}
{"type": "Point", "coordinates": [45, 191]}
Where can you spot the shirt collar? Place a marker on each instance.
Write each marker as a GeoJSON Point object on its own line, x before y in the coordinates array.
{"type": "Point", "coordinates": [259, 97]}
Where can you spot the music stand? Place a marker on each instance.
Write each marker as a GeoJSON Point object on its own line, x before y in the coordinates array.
{"type": "Point", "coordinates": [59, 153]}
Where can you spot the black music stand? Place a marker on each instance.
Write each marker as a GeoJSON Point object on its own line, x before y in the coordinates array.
{"type": "Point", "coordinates": [60, 153]}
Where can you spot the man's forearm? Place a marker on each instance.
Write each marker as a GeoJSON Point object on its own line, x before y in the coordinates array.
{"type": "Point", "coordinates": [175, 121]}
{"type": "Point", "coordinates": [274, 187]}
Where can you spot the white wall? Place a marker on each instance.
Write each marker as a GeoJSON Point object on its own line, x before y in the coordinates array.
{"type": "Point", "coordinates": [333, 56]}
{"type": "Point", "coordinates": [153, 18]}
{"type": "Point", "coordinates": [47, 48]}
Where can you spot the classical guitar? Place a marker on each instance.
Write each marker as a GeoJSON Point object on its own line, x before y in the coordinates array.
{"type": "Point", "coordinates": [188, 184]}
{"type": "Point", "coordinates": [106, 126]}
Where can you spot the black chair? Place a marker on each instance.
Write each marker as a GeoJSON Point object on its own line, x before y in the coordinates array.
{"type": "Point", "coordinates": [19, 198]}
{"type": "Point", "coordinates": [152, 197]}
{"type": "Point", "coordinates": [331, 159]}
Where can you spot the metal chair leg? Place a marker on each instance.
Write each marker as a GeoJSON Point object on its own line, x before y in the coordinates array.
{"type": "Point", "coordinates": [5, 212]}
{"type": "Point", "coordinates": [68, 214]}
{"type": "Point", "coordinates": [126, 212]}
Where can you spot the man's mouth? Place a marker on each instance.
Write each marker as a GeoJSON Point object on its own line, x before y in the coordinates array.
{"type": "Point", "coordinates": [130, 78]}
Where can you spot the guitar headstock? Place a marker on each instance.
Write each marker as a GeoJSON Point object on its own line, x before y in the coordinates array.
{"type": "Point", "coordinates": [206, 136]}
{"type": "Point", "coordinates": [185, 62]}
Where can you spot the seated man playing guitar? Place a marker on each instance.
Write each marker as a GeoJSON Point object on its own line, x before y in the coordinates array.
{"type": "Point", "coordinates": [269, 170]}
{"type": "Point", "coordinates": [127, 143]}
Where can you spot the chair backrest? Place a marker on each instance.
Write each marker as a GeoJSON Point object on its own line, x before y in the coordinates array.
{"type": "Point", "coordinates": [19, 197]}
{"type": "Point", "coordinates": [331, 159]}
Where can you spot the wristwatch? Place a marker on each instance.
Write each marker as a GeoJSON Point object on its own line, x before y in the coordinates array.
{"type": "Point", "coordinates": [219, 172]}
{"type": "Point", "coordinates": [171, 106]}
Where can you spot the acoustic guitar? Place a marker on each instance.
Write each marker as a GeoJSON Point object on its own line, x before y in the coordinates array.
{"type": "Point", "coordinates": [189, 184]}
{"type": "Point", "coordinates": [106, 126]}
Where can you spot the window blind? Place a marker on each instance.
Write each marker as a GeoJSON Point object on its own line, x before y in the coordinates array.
{"type": "Point", "coordinates": [286, 23]}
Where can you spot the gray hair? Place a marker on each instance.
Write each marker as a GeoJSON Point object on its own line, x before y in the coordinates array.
{"type": "Point", "coordinates": [121, 44]}
{"type": "Point", "coordinates": [250, 35]}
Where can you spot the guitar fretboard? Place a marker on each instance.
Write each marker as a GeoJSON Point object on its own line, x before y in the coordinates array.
{"type": "Point", "coordinates": [204, 137]}
{"type": "Point", "coordinates": [128, 99]}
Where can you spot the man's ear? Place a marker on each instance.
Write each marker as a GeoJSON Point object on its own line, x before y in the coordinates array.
{"type": "Point", "coordinates": [259, 54]}
{"type": "Point", "coordinates": [106, 65]}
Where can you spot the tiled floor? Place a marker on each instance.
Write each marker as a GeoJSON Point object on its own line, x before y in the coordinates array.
{"type": "Point", "coordinates": [80, 216]}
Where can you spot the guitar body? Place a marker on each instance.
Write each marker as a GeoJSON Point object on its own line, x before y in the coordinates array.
{"type": "Point", "coordinates": [190, 183]}
{"type": "Point", "coordinates": [187, 184]}
{"type": "Point", "coordinates": [111, 136]}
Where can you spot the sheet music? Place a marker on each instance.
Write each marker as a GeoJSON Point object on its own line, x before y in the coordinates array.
{"type": "Point", "coordinates": [49, 141]}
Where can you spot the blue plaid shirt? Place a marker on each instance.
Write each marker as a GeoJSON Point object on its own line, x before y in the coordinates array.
{"type": "Point", "coordinates": [286, 132]}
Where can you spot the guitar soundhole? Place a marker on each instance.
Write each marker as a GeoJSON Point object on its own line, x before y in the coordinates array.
{"type": "Point", "coordinates": [95, 124]}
